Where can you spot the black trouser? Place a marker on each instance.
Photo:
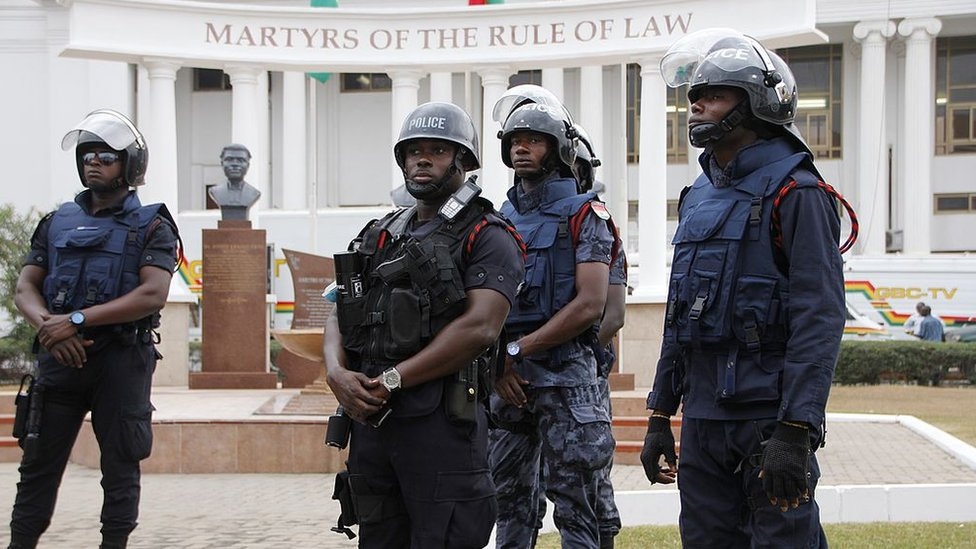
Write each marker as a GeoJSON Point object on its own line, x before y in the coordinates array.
{"type": "Point", "coordinates": [114, 385]}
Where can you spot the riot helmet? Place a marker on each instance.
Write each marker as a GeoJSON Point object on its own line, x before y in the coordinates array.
{"type": "Point", "coordinates": [554, 123]}
{"type": "Point", "coordinates": [586, 161]}
{"type": "Point", "coordinates": [112, 129]}
{"type": "Point", "coordinates": [447, 121]}
{"type": "Point", "coordinates": [523, 94]}
{"type": "Point", "coordinates": [725, 57]}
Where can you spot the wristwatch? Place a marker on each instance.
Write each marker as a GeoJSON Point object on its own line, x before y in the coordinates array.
{"type": "Point", "coordinates": [77, 319]}
{"type": "Point", "coordinates": [391, 379]}
{"type": "Point", "coordinates": [514, 350]}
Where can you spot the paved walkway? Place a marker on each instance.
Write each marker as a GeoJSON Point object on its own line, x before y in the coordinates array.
{"type": "Point", "coordinates": [271, 511]}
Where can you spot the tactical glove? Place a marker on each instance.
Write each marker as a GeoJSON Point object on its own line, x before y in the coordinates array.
{"type": "Point", "coordinates": [785, 464]}
{"type": "Point", "coordinates": [658, 442]}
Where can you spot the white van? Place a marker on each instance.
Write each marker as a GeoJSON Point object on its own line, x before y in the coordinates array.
{"type": "Point", "coordinates": [860, 327]}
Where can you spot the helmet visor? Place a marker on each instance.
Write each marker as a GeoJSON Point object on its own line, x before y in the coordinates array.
{"type": "Point", "coordinates": [517, 96]}
{"type": "Point", "coordinates": [111, 127]}
{"type": "Point", "coordinates": [683, 57]}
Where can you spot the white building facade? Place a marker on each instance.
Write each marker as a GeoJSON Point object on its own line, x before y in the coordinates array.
{"type": "Point", "coordinates": [887, 101]}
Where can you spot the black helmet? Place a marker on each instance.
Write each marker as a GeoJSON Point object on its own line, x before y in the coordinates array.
{"type": "Point", "coordinates": [447, 121]}
{"type": "Point", "coordinates": [109, 128]}
{"type": "Point", "coordinates": [544, 119]}
{"type": "Point", "coordinates": [586, 160]}
{"type": "Point", "coordinates": [725, 57]}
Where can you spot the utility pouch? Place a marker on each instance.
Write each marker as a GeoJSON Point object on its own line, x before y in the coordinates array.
{"type": "Point", "coordinates": [22, 404]}
{"type": "Point", "coordinates": [31, 442]}
{"type": "Point", "coordinates": [461, 395]}
{"type": "Point", "coordinates": [347, 513]}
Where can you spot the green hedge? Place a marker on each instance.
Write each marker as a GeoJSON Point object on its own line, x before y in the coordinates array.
{"type": "Point", "coordinates": [873, 362]}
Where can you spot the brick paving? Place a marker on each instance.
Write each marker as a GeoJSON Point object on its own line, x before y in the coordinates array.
{"type": "Point", "coordinates": [271, 511]}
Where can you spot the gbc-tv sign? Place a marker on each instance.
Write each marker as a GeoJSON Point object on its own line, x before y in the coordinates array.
{"type": "Point", "coordinates": [567, 33]}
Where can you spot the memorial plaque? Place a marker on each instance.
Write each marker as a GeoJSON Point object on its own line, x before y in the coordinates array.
{"type": "Point", "coordinates": [310, 274]}
{"type": "Point", "coordinates": [235, 312]}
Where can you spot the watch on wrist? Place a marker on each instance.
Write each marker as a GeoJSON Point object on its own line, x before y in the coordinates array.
{"type": "Point", "coordinates": [391, 379]}
{"type": "Point", "coordinates": [77, 319]}
{"type": "Point", "coordinates": [514, 350]}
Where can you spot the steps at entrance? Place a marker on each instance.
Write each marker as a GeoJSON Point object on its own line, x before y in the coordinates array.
{"type": "Point", "coordinates": [9, 449]}
{"type": "Point", "coordinates": [630, 415]}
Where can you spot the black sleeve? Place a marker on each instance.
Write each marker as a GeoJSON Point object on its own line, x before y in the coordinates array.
{"type": "Point", "coordinates": [38, 244]}
{"type": "Point", "coordinates": [160, 250]}
{"type": "Point", "coordinates": [495, 262]}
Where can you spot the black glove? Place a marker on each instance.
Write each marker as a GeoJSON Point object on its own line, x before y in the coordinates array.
{"type": "Point", "coordinates": [785, 464]}
{"type": "Point", "coordinates": [658, 442]}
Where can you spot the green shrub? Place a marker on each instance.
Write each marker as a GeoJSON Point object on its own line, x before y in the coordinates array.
{"type": "Point", "coordinates": [17, 334]}
{"type": "Point", "coordinates": [873, 362]}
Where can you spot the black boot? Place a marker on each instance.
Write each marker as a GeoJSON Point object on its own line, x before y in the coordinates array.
{"type": "Point", "coordinates": [19, 541]}
{"type": "Point", "coordinates": [113, 542]}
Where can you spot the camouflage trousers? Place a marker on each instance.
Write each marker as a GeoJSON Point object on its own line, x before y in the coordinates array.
{"type": "Point", "coordinates": [568, 430]}
{"type": "Point", "coordinates": [607, 515]}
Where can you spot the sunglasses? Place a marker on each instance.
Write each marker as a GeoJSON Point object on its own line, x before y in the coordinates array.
{"type": "Point", "coordinates": [105, 158]}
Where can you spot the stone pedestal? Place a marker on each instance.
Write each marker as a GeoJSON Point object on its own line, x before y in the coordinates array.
{"type": "Point", "coordinates": [235, 326]}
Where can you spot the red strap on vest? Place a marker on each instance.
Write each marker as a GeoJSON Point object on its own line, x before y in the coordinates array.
{"type": "Point", "coordinates": [484, 223]}
{"type": "Point", "coordinates": [777, 228]}
{"type": "Point", "coordinates": [576, 226]}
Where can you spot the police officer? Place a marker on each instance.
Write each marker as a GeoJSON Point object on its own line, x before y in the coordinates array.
{"type": "Point", "coordinates": [439, 279]}
{"type": "Point", "coordinates": [547, 399]}
{"type": "Point", "coordinates": [755, 307]}
{"type": "Point", "coordinates": [93, 284]}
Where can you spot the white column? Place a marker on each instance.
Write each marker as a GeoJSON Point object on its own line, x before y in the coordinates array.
{"type": "Point", "coordinates": [591, 105]}
{"type": "Point", "coordinates": [294, 180]}
{"type": "Point", "coordinates": [872, 158]}
{"type": "Point", "coordinates": [652, 182]}
{"type": "Point", "coordinates": [162, 176]}
{"type": "Point", "coordinates": [919, 132]}
{"type": "Point", "coordinates": [406, 85]}
{"type": "Point", "coordinates": [495, 177]}
{"type": "Point", "coordinates": [261, 166]}
{"type": "Point", "coordinates": [245, 129]}
{"type": "Point", "coordinates": [552, 80]}
{"type": "Point", "coordinates": [441, 87]}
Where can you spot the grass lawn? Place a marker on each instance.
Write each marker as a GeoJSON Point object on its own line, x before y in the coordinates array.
{"type": "Point", "coordinates": [948, 408]}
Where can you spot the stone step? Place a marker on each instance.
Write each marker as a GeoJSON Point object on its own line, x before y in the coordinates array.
{"type": "Point", "coordinates": [10, 451]}
{"type": "Point", "coordinates": [621, 382]}
{"type": "Point", "coordinates": [6, 425]}
{"type": "Point", "coordinates": [7, 400]}
{"type": "Point", "coordinates": [629, 403]}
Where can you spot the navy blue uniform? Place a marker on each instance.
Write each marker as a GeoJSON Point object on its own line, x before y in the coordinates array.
{"type": "Point", "coordinates": [564, 423]}
{"type": "Point", "coordinates": [422, 479]}
{"type": "Point", "coordinates": [114, 385]}
{"type": "Point", "coordinates": [752, 332]}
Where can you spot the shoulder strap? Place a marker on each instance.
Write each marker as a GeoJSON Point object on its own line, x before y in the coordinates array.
{"type": "Point", "coordinates": [777, 227]}
{"type": "Point", "coordinates": [600, 210]}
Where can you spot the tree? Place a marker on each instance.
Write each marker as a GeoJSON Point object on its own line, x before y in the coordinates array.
{"type": "Point", "coordinates": [16, 334]}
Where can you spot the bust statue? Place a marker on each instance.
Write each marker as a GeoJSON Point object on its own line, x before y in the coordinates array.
{"type": "Point", "coordinates": [235, 197]}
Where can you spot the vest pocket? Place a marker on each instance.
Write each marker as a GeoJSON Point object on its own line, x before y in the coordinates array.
{"type": "Point", "coordinates": [407, 321]}
{"type": "Point", "coordinates": [753, 299]}
{"type": "Point", "coordinates": [749, 378]}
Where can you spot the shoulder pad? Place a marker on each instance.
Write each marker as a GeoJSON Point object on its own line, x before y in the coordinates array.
{"type": "Point", "coordinates": [805, 178]}
{"type": "Point", "coordinates": [600, 209]}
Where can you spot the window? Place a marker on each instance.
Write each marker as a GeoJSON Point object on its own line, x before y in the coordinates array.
{"type": "Point", "coordinates": [955, 95]}
{"type": "Point", "coordinates": [210, 80]}
{"type": "Point", "coordinates": [672, 210]}
{"type": "Point", "coordinates": [633, 113]}
{"type": "Point", "coordinates": [525, 77]}
{"type": "Point", "coordinates": [955, 203]}
{"type": "Point", "coordinates": [818, 78]}
{"type": "Point", "coordinates": [365, 82]}
{"type": "Point", "coordinates": [677, 116]}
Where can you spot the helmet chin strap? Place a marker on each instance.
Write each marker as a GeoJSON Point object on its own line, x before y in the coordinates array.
{"type": "Point", "coordinates": [421, 191]}
{"type": "Point", "coordinates": [702, 134]}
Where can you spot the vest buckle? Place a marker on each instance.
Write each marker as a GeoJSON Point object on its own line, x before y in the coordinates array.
{"type": "Point", "coordinates": [698, 306]}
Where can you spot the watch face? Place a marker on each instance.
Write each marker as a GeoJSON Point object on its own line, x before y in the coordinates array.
{"type": "Point", "coordinates": [513, 348]}
{"type": "Point", "coordinates": [391, 379]}
{"type": "Point", "coordinates": [77, 318]}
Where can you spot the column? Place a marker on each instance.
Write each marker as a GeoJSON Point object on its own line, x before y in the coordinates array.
{"type": "Point", "coordinates": [652, 182]}
{"type": "Point", "coordinates": [162, 175]}
{"type": "Point", "coordinates": [495, 176]}
{"type": "Point", "coordinates": [441, 87]}
{"type": "Point", "coordinates": [406, 85]}
{"type": "Point", "coordinates": [919, 136]}
{"type": "Point", "coordinates": [261, 166]}
{"type": "Point", "coordinates": [294, 180]}
{"type": "Point", "coordinates": [872, 157]}
{"type": "Point", "coordinates": [552, 80]}
{"type": "Point", "coordinates": [245, 128]}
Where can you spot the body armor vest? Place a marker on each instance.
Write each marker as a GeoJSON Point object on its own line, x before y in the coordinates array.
{"type": "Point", "coordinates": [95, 259]}
{"type": "Point", "coordinates": [726, 291]}
{"type": "Point", "coordinates": [412, 287]}
{"type": "Point", "coordinates": [550, 265]}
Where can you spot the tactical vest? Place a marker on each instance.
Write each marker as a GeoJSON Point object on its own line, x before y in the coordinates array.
{"type": "Point", "coordinates": [550, 265]}
{"type": "Point", "coordinates": [412, 288]}
{"type": "Point", "coordinates": [95, 259]}
{"type": "Point", "coordinates": [725, 289]}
